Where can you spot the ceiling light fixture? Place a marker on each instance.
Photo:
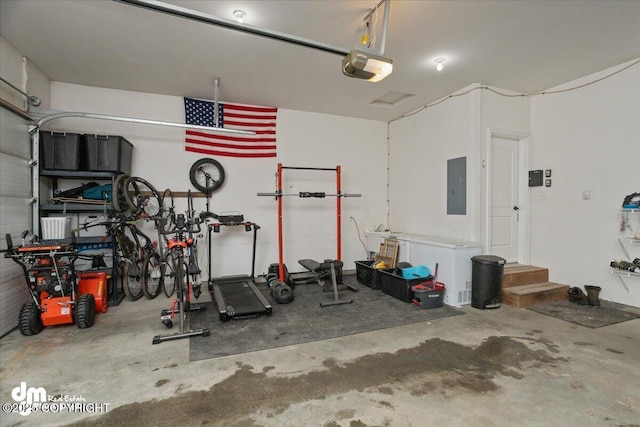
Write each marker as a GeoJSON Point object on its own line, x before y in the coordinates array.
{"type": "Point", "coordinates": [239, 15]}
{"type": "Point", "coordinates": [439, 62]}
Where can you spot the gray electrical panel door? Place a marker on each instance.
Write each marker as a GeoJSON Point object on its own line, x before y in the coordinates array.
{"type": "Point", "coordinates": [457, 186]}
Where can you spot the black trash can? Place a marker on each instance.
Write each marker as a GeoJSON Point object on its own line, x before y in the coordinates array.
{"type": "Point", "coordinates": [486, 281]}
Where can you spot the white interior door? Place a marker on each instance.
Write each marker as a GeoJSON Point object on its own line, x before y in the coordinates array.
{"type": "Point", "coordinates": [504, 209]}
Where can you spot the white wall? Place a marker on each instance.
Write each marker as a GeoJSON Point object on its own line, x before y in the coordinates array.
{"type": "Point", "coordinates": [419, 147]}
{"type": "Point", "coordinates": [590, 139]}
{"type": "Point", "coordinates": [304, 139]}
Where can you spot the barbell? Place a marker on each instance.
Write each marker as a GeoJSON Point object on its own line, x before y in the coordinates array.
{"type": "Point", "coordinates": [308, 194]}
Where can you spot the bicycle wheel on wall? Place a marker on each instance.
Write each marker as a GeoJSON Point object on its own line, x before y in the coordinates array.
{"type": "Point", "coordinates": [142, 197]}
{"type": "Point", "coordinates": [119, 203]}
{"type": "Point", "coordinates": [167, 209]}
{"type": "Point", "coordinates": [207, 175]}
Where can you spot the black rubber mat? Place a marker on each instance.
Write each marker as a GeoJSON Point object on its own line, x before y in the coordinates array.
{"type": "Point", "coordinates": [303, 320]}
{"type": "Point", "coordinates": [586, 315]}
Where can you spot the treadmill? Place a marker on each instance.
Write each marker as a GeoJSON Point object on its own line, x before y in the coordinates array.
{"type": "Point", "coordinates": [238, 296]}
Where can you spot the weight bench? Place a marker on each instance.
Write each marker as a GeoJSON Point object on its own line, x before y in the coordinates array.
{"type": "Point", "coordinates": [329, 269]}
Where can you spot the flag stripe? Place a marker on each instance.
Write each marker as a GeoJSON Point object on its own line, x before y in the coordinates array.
{"type": "Point", "coordinates": [226, 153]}
{"type": "Point", "coordinates": [252, 124]}
{"type": "Point", "coordinates": [231, 150]}
{"type": "Point", "coordinates": [261, 120]}
{"type": "Point", "coordinates": [245, 146]}
{"type": "Point", "coordinates": [249, 108]}
{"type": "Point", "coordinates": [247, 116]}
{"type": "Point", "coordinates": [202, 136]}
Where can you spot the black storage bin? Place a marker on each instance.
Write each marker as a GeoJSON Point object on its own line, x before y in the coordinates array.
{"type": "Point", "coordinates": [397, 286]}
{"type": "Point", "coordinates": [367, 275]}
{"type": "Point", "coordinates": [108, 153]}
{"type": "Point", "coordinates": [61, 151]}
{"type": "Point", "coordinates": [364, 271]}
{"type": "Point", "coordinates": [486, 281]}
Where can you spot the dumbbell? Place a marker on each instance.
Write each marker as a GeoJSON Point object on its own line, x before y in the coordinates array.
{"type": "Point", "coordinates": [280, 291]}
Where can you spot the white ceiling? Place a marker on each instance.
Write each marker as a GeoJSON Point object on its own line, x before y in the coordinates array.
{"type": "Point", "coordinates": [522, 46]}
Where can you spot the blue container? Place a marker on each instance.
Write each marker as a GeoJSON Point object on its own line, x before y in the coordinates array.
{"type": "Point", "coordinates": [419, 271]}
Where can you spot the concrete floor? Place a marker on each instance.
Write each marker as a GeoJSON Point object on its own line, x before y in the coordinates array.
{"type": "Point", "coordinates": [485, 368]}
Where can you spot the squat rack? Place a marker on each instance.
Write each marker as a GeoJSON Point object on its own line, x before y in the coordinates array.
{"type": "Point", "coordinates": [303, 195]}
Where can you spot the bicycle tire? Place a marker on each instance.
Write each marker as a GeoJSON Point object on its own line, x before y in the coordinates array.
{"type": "Point", "coordinates": [132, 285]}
{"type": "Point", "coordinates": [168, 278]}
{"type": "Point", "coordinates": [182, 284]}
{"type": "Point", "coordinates": [142, 197]}
{"type": "Point", "coordinates": [117, 198]}
{"type": "Point", "coordinates": [151, 276]}
{"type": "Point", "coordinates": [123, 273]}
{"type": "Point", "coordinates": [207, 175]}
{"type": "Point", "coordinates": [184, 276]}
{"type": "Point", "coordinates": [167, 207]}
{"type": "Point", "coordinates": [190, 211]}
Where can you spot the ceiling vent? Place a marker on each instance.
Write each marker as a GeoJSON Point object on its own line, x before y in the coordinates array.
{"type": "Point", "coordinates": [391, 99]}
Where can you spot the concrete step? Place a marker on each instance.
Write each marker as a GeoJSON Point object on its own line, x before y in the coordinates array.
{"type": "Point", "coordinates": [535, 293]}
{"type": "Point", "coordinates": [518, 275]}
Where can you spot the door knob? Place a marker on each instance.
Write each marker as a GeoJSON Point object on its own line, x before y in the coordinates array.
{"type": "Point", "coordinates": [515, 208]}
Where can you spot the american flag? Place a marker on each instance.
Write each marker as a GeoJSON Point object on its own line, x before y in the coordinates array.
{"type": "Point", "coordinates": [261, 120]}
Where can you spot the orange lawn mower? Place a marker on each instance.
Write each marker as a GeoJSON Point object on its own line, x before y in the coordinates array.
{"type": "Point", "coordinates": [59, 295]}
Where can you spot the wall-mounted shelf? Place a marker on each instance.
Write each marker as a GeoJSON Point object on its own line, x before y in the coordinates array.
{"type": "Point", "coordinates": [623, 242]}
{"type": "Point", "coordinates": [623, 273]}
{"type": "Point", "coordinates": [77, 174]}
{"type": "Point", "coordinates": [75, 208]}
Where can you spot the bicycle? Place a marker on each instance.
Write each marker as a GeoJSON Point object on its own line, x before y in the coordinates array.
{"type": "Point", "coordinates": [193, 268]}
{"type": "Point", "coordinates": [167, 219]}
{"type": "Point", "coordinates": [138, 261]}
{"type": "Point", "coordinates": [178, 246]}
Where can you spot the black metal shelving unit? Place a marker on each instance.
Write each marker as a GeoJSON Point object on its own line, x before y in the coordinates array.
{"type": "Point", "coordinates": [115, 295]}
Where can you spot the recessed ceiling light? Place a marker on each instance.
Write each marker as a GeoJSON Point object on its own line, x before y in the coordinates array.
{"type": "Point", "coordinates": [239, 15]}
{"type": "Point", "coordinates": [439, 62]}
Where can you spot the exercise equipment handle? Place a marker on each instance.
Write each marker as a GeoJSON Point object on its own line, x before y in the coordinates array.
{"type": "Point", "coordinates": [184, 226]}
{"type": "Point", "coordinates": [306, 194]}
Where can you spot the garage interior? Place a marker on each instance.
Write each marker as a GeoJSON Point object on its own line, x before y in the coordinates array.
{"type": "Point", "coordinates": [503, 131]}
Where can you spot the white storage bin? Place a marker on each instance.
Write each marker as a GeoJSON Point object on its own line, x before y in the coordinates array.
{"type": "Point", "coordinates": [55, 227]}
